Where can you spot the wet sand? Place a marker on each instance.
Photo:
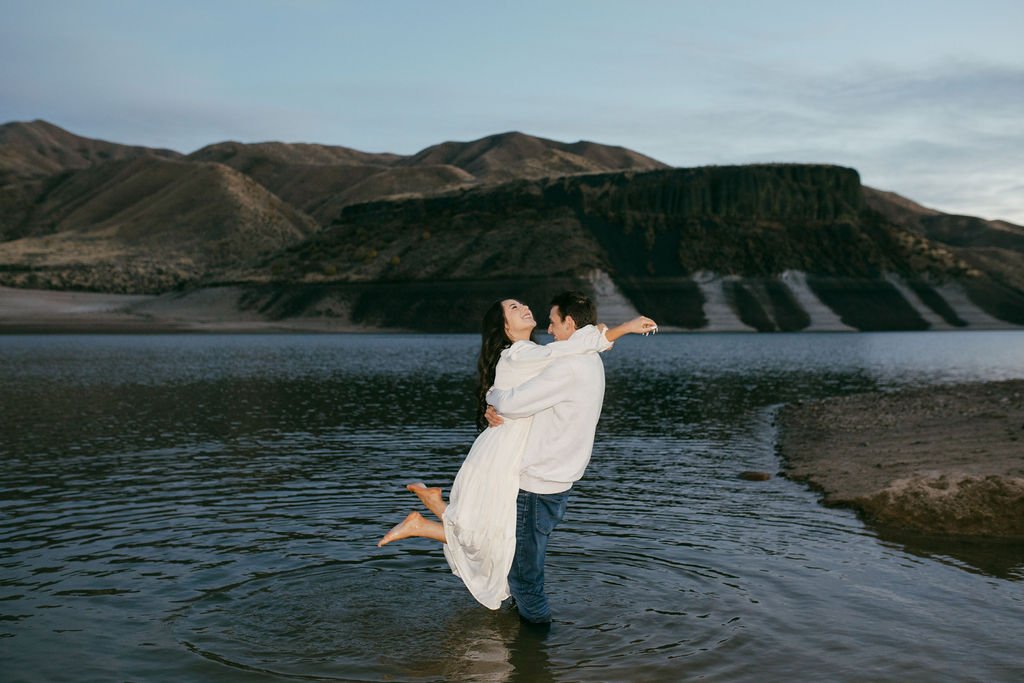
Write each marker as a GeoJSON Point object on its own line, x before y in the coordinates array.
{"type": "Point", "coordinates": [944, 460]}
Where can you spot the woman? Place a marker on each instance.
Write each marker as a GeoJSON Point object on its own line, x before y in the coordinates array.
{"type": "Point", "coordinates": [478, 526]}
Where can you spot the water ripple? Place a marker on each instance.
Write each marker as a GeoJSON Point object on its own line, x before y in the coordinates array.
{"type": "Point", "coordinates": [206, 508]}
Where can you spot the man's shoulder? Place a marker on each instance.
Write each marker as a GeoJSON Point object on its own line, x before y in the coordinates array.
{"type": "Point", "coordinates": [585, 362]}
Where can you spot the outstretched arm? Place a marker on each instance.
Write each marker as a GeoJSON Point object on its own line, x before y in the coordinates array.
{"type": "Point", "coordinates": [639, 325]}
{"type": "Point", "coordinates": [587, 339]}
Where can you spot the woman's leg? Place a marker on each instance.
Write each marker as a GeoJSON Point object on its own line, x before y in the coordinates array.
{"type": "Point", "coordinates": [430, 497]}
{"type": "Point", "coordinates": [414, 525]}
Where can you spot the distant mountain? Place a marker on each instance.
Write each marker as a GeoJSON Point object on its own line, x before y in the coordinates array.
{"type": "Point", "coordinates": [510, 156]}
{"type": "Point", "coordinates": [322, 180]}
{"type": "Point", "coordinates": [183, 218]}
{"type": "Point", "coordinates": [996, 247]}
{"type": "Point", "coordinates": [243, 156]}
{"type": "Point", "coordinates": [961, 231]}
{"type": "Point", "coordinates": [32, 153]}
{"type": "Point", "coordinates": [394, 183]}
{"type": "Point", "coordinates": [37, 148]}
{"type": "Point", "coordinates": [743, 220]}
{"type": "Point", "coordinates": [765, 247]}
{"type": "Point", "coordinates": [384, 237]}
{"type": "Point", "coordinates": [322, 190]}
{"type": "Point", "coordinates": [73, 209]}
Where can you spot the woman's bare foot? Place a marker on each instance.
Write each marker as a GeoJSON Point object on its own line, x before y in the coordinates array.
{"type": "Point", "coordinates": [430, 497]}
{"type": "Point", "coordinates": [413, 525]}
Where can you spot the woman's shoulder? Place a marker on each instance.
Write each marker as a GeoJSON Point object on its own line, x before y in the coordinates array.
{"type": "Point", "coordinates": [518, 346]}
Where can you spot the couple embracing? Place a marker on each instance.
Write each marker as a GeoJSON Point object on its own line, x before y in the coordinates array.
{"type": "Point", "coordinates": [538, 406]}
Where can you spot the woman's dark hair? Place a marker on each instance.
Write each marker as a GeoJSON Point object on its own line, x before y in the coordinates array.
{"type": "Point", "coordinates": [493, 340]}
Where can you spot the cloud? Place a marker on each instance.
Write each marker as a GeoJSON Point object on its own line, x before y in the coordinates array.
{"type": "Point", "coordinates": [948, 134]}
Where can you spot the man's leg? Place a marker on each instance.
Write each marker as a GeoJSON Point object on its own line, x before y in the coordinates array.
{"type": "Point", "coordinates": [536, 515]}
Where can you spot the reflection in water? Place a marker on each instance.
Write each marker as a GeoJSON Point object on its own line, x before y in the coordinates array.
{"type": "Point", "coordinates": [495, 648]}
{"type": "Point", "coordinates": [993, 557]}
{"type": "Point", "coordinates": [206, 508]}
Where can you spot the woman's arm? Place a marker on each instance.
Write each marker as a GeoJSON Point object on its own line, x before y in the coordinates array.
{"type": "Point", "coordinates": [638, 325]}
{"type": "Point", "coordinates": [587, 339]}
{"type": "Point", "coordinates": [550, 387]}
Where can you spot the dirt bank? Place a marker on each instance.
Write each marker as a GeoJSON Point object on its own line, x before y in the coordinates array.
{"type": "Point", "coordinates": [945, 460]}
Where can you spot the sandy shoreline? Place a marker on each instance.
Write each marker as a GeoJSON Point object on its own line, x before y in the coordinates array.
{"type": "Point", "coordinates": [39, 311]}
{"type": "Point", "coordinates": [945, 460]}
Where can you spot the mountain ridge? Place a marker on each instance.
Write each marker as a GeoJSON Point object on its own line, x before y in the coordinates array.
{"type": "Point", "coordinates": [295, 216]}
{"type": "Point", "coordinates": [30, 150]}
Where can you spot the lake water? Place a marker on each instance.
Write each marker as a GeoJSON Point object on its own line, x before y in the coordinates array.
{"type": "Point", "coordinates": [206, 508]}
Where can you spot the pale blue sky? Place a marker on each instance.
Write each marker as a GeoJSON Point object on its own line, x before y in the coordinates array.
{"type": "Point", "coordinates": [924, 98]}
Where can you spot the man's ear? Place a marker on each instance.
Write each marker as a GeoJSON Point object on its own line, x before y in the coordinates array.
{"type": "Point", "coordinates": [569, 319]}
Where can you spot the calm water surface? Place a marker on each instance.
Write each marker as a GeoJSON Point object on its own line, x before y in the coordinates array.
{"type": "Point", "coordinates": [206, 508]}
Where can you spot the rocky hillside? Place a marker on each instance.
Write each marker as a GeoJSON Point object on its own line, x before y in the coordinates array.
{"type": "Point", "coordinates": [89, 214]}
{"type": "Point", "coordinates": [512, 156]}
{"type": "Point", "coordinates": [322, 180]}
{"type": "Point", "coordinates": [994, 247]}
{"type": "Point", "coordinates": [772, 244]}
{"type": "Point", "coordinates": [315, 231]}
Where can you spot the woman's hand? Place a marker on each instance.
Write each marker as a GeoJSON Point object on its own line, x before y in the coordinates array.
{"type": "Point", "coordinates": [492, 417]}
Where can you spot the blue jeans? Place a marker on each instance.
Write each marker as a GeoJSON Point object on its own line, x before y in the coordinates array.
{"type": "Point", "coordinates": [537, 514]}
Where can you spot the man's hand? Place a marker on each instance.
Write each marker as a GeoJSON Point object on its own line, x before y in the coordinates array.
{"type": "Point", "coordinates": [642, 325]}
{"type": "Point", "coordinates": [639, 325]}
{"type": "Point", "coordinates": [492, 417]}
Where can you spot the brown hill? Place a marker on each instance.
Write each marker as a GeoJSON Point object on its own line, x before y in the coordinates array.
{"type": "Point", "coordinates": [32, 152]}
{"type": "Point", "coordinates": [395, 183]}
{"type": "Point", "coordinates": [321, 180]}
{"type": "Point", "coordinates": [35, 149]}
{"type": "Point", "coordinates": [109, 226]}
{"type": "Point", "coordinates": [87, 214]}
{"type": "Point", "coordinates": [307, 186]}
{"type": "Point", "coordinates": [952, 229]}
{"type": "Point", "coordinates": [243, 156]}
{"type": "Point", "coordinates": [514, 155]}
{"type": "Point", "coordinates": [323, 190]}
{"type": "Point", "coordinates": [996, 247]}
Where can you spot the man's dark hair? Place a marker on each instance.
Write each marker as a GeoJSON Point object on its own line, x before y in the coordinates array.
{"type": "Point", "coordinates": [578, 305]}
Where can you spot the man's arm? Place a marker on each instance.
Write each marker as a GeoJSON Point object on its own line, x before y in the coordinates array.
{"type": "Point", "coordinates": [639, 325]}
{"type": "Point", "coordinates": [540, 393]}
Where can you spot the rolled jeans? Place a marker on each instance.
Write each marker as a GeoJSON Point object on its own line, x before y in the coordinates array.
{"type": "Point", "coordinates": [537, 514]}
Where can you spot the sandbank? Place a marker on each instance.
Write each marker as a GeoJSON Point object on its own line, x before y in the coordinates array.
{"type": "Point", "coordinates": [945, 460]}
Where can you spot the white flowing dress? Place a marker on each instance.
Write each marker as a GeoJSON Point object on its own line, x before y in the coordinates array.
{"type": "Point", "coordinates": [480, 521]}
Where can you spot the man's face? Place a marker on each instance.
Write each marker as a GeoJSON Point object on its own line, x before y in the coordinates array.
{"type": "Point", "coordinates": [560, 328]}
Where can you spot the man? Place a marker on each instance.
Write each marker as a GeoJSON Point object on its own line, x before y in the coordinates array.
{"type": "Point", "coordinates": [565, 401]}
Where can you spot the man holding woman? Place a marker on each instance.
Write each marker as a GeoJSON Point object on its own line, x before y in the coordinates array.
{"type": "Point", "coordinates": [513, 488]}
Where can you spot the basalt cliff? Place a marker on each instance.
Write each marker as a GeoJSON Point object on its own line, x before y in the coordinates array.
{"type": "Point", "coordinates": [328, 234]}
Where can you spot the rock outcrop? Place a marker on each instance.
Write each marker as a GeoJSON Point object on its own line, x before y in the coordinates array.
{"type": "Point", "coordinates": [753, 247]}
